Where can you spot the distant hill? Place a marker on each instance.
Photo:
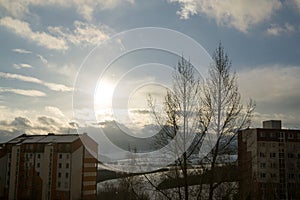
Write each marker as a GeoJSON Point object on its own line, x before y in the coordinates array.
{"type": "Point", "coordinates": [114, 132]}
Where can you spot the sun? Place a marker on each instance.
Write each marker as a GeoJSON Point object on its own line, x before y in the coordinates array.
{"type": "Point", "coordinates": [103, 95]}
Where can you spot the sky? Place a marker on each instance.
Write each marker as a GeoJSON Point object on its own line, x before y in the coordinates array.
{"type": "Point", "coordinates": [52, 50]}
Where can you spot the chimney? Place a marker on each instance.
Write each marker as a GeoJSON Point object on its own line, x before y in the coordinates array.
{"type": "Point", "coordinates": [272, 124]}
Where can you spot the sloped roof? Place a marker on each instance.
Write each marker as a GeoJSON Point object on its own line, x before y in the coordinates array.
{"type": "Point", "coordinates": [55, 138]}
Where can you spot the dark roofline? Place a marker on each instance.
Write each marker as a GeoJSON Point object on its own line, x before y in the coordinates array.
{"type": "Point", "coordinates": [269, 129]}
{"type": "Point", "coordinates": [24, 136]}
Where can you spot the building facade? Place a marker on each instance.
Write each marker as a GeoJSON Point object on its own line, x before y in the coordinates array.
{"type": "Point", "coordinates": [48, 167]}
{"type": "Point", "coordinates": [269, 162]}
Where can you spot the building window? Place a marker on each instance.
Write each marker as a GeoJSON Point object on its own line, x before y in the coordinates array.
{"type": "Point", "coordinates": [273, 165]}
{"type": "Point", "coordinates": [262, 155]}
{"type": "Point", "coordinates": [281, 155]}
{"type": "Point", "coordinates": [38, 173]}
{"type": "Point", "coordinates": [292, 166]}
{"type": "Point", "coordinates": [272, 155]}
{"type": "Point", "coordinates": [273, 144]}
{"type": "Point", "coordinates": [38, 165]}
{"type": "Point", "coordinates": [60, 156]}
{"type": "Point", "coordinates": [290, 155]}
{"type": "Point", "coordinates": [291, 136]}
{"type": "Point", "coordinates": [281, 135]}
{"type": "Point", "coordinates": [39, 156]}
{"type": "Point", "coordinates": [291, 176]}
{"type": "Point", "coordinates": [262, 134]}
{"type": "Point", "coordinates": [262, 165]}
{"type": "Point", "coordinates": [273, 135]}
{"type": "Point", "coordinates": [273, 175]}
{"type": "Point", "coordinates": [59, 174]}
{"type": "Point", "coordinates": [281, 150]}
{"type": "Point", "coordinates": [281, 144]}
{"type": "Point", "coordinates": [68, 156]}
{"type": "Point", "coordinates": [67, 175]}
{"type": "Point", "coordinates": [58, 184]}
{"type": "Point", "coordinates": [262, 175]}
{"type": "Point", "coordinates": [281, 163]}
{"type": "Point", "coordinates": [59, 165]}
{"type": "Point", "coordinates": [67, 165]}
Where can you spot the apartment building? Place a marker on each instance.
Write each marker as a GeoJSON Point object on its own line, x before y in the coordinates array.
{"type": "Point", "coordinates": [48, 167]}
{"type": "Point", "coordinates": [269, 162]}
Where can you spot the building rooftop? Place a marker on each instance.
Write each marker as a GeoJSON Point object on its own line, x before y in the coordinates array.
{"type": "Point", "coordinates": [55, 138]}
{"type": "Point", "coordinates": [272, 124]}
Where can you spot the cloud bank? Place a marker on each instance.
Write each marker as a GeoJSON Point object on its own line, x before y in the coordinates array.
{"type": "Point", "coordinates": [57, 38]}
{"type": "Point", "coordinates": [239, 14]}
{"type": "Point", "coordinates": [24, 30]}
{"type": "Point", "coordinates": [29, 93]}
{"type": "Point", "coordinates": [29, 79]}
{"type": "Point", "coordinates": [84, 8]}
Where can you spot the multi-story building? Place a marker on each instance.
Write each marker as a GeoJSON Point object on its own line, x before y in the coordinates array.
{"type": "Point", "coordinates": [48, 167]}
{"type": "Point", "coordinates": [269, 162]}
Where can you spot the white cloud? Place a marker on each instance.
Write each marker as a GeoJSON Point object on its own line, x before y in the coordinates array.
{"type": "Point", "coordinates": [68, 70]}
{"type": "Point", "coordinates": [40, 125]}
{"type": "Point", "coordinates": [51, 86]}
{"type": "Point", "coordinates": [59, 37]}
{"type": "Point", "coordinates": [276, 92]}
{"type": "Point", "coordinates": [188, 8]}
{"type": "Point", "coordinates": [54, 110]}
{"type": "Point", "coordinates": [288, 120]}
{"type": "Point", "coordinates": [83, 33]}
{"type": "Point", "coordinates": [33, 121]}
{"type": "Point", "coordinates": [85, 8]}
{"type": "Point", "coordinates": [30, 93]}
{"type": "Point", "coordinates": [276, 29]}
{"type": "Point", "coordinates": [240, 14]}
{"type": "Point", "coordinates": [42, 58]}
{"type": "Point", "coordinates": [23, 29]}
{"type": "Point", "coordinates": [23, 51]}
{"type": "Point", "coordinates": [22, 65]}
{"type": "Point", "coordinates": [270, 84]}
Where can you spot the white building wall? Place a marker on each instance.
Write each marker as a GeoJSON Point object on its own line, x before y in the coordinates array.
{"type": "Point", "coordinates": [63, 171]}
{"type": "Point", "coordinates": [76, 171]}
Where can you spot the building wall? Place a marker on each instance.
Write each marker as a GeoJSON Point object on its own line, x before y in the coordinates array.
{"type": "Point", "coordinates": [246, 158]}
{"type": "Point", "coordinates": [47, 170]}
{"type": "Point", "coordinates": [14, 172]}
{"type": "Point", "coordinates": [3, 173]}
{"type": "Point", "coordinates": [89, 176]}
{"type": "Point", "coordinates": [269, 163]}
{"type": "Point", "coordinates": [77, 168]}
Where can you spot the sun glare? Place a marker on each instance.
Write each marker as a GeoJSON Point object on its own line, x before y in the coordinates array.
{"type": "Point", "coordinates": [103, 95]}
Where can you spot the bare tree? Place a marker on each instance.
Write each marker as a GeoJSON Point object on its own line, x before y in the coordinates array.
{"type": "Point", "coordinates": [223, 108]}
{"type": "Point", "coordinates": [196, 108]}
{"type": "Point", "coordinates": [183, 124]}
